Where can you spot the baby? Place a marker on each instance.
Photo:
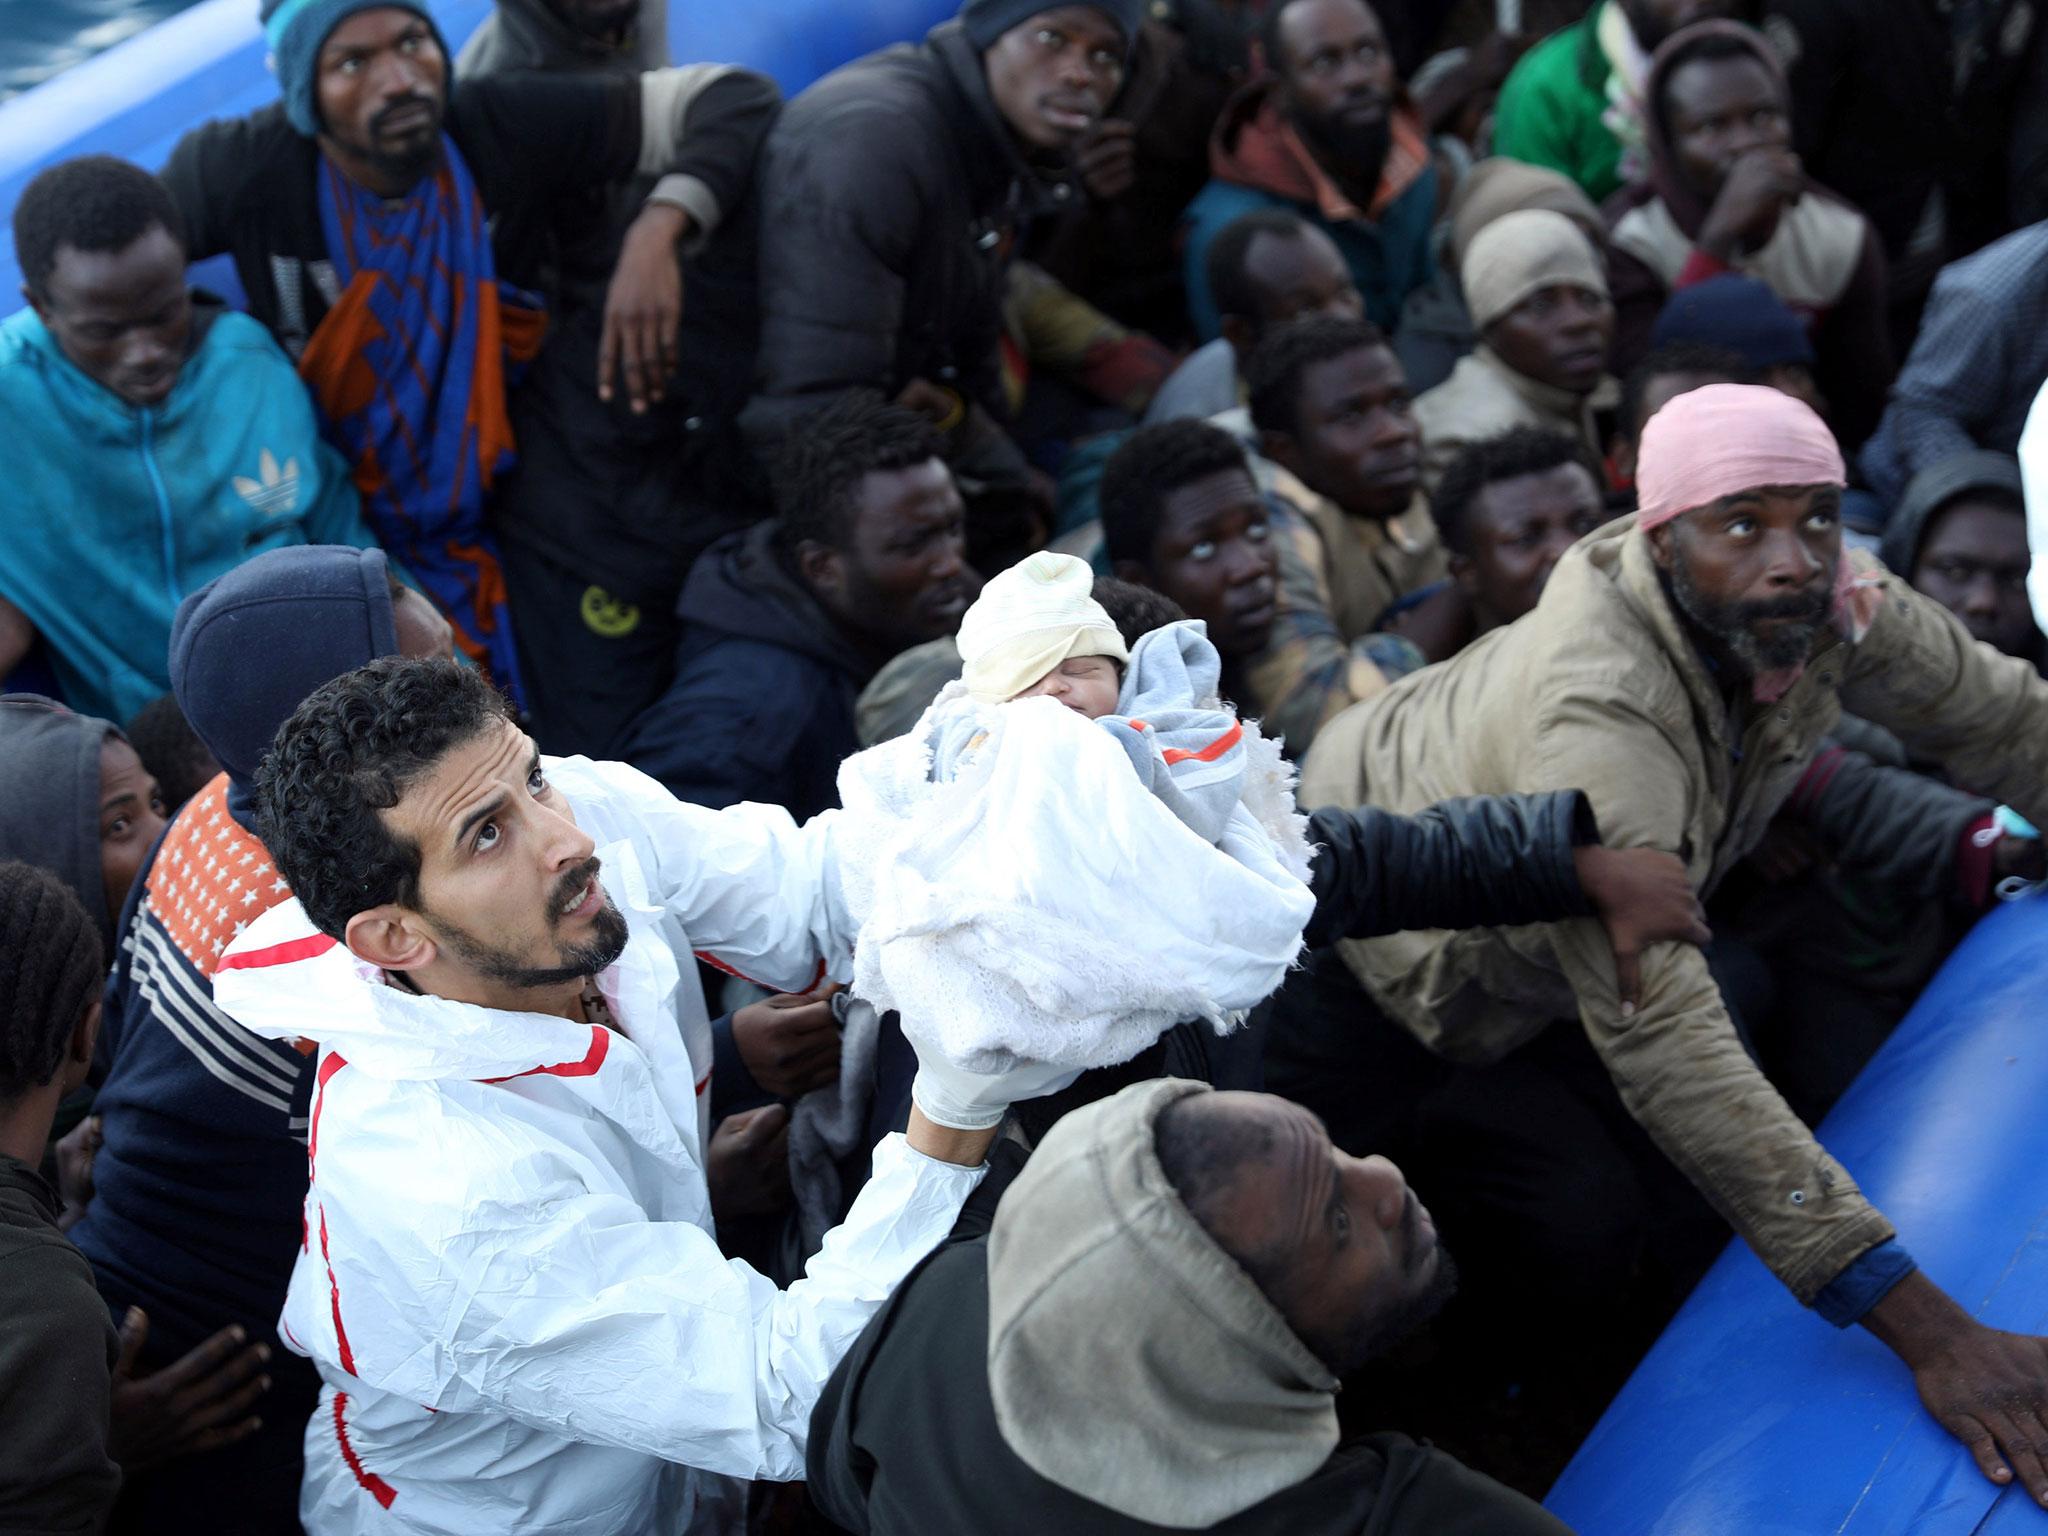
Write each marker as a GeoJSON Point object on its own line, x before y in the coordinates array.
{"type": "Point", "coordinates": [1037, 631]}
{"type": "Point", "coordinates": [1020, 893]}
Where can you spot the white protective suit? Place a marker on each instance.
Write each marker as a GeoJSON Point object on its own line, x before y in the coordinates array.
{"type": "Point", "coordinates": [509, 1280]}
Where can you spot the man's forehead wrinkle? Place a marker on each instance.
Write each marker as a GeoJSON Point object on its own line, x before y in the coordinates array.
{"type": "Point", "coordinates": [443, 811]}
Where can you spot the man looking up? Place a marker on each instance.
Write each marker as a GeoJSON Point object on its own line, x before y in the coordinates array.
{"type": "Point", "coordinates": [1265, 269]}
{"type": "Point", "coordinates": [1152, 1336]}
{"type": "Point", "coordinates": [515, 1299]}
{"type": "Point", "coordinates": [155, 438]}
{"type": "Point", "coordinates": [1507, 510]}
{"type": "Point", "coordinates": [784, 623]}
{"type": "Point", "coordinates": [1327, 135]}
{"type": "Point", "coordinates": [1683, 669]}
{"type": "Point", "coordinates": [1574, 101]}
{"type": "Point", "coordinates": [1331, 407]}
{"type": "Point", "coordinates": [1182, 515]}
{"type": "Point", "coordinates": [377, 218]}
{"type": "Point", "coordinates": [893, 192]}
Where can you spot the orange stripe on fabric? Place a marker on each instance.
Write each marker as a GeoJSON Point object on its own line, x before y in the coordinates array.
{"type": "Point", "coordinates": [1208, 754]}
{"type": "Point", "coordinates": [600, 1043]}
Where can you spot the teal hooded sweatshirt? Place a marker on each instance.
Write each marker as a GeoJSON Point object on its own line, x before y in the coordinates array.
{"type": "Point", "coordinates": [111, 513]}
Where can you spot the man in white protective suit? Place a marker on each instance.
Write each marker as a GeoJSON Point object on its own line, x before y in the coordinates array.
{"type": "Point", "coordinates": [508, 1277]}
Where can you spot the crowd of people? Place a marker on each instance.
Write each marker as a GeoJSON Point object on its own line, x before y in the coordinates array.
{"type": "Point", "coordinates": [508, 726]}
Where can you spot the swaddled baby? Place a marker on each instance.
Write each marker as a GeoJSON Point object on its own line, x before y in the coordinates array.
{"type": "Point", "coordinates": [1079, 845]}
{"type": "Point", "coordinates": [1036, 631]}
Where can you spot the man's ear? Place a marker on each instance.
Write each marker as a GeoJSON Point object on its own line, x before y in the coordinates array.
{"type": "Point", "coordinates": [1625, 459]}
{"type": "Point", "coordinates": [1662, 538]}
{"type": "Point", "coordinates": [1465, 572]}
{"type": "Point", "coordinates": [390, 938]}
{"type": "Point", "coordinates": [35, 302]}
{"type": "Point", "coordinates": [84, 1035]}
{"type": "Point", "coordinates": [1133, 572]}
{"type": "Point", "coordinates": [822, 567]}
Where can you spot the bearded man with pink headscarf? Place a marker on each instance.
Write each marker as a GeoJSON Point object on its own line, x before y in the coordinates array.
{"type": "Point", "coordinates": [1682, 668]}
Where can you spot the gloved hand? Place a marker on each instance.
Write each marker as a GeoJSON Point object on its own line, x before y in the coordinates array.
{"type": "Point", "coordinates": [973, 1101]}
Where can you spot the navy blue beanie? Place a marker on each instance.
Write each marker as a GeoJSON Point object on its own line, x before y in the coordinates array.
{"type": "Point", "coordinates": [986, 20]}
{"type": "Point", "coordinates": [310, 612]}
{"type": "Point", "coordinates": [1738, 313]}
{"type": "Point", "coordinates": [296, 29]}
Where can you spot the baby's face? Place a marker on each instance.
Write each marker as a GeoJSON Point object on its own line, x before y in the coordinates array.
{"type": "Point", "coordinates": [1088, 685]}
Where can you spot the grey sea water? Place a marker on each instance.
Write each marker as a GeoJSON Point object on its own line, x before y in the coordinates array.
{"type": "Point", "coordinates": [42, 38]}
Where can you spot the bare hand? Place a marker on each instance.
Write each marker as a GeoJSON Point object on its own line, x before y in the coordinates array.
{"type": "Point", "coordinates": [747, 1163]}
{"type": "Point", "coordinates": [1759, 187]}
{"type": "Point", "coordinates": [1987, 1388]}
{"type": "Point", "coordinates": [643, 308]}
{"type": "Point", "coordinates": [75, 1154]}
{"type": "Point", "coordinates": [789, 1044]}
{"type": "Point", "coordinates": [1642, 896]}
{"type": "Point", "coordinates": [198, 1403]}
{"type": "Point", "coordinates": [1108, 159]}
{"type": "Point", "coordinates": [2022, 858]}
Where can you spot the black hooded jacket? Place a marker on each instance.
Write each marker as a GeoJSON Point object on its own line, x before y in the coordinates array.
{"type": "Point", "coordinates": [904, 1441]}
{"type": "Point", "coordinates": [890, 195]}
{"type": "Point", "coordinates": [762, 706]}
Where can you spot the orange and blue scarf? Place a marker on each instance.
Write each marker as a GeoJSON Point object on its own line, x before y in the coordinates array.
{"type": "Point", "coordinates": [409, 371]}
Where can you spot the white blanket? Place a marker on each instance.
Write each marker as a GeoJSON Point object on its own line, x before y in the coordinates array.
{"type": "Point", "coordinates": [1041, 905]}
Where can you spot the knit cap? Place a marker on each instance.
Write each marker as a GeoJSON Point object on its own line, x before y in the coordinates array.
{"type": "Point", "coordinates": [1028, 620]}
{"type": "Point", "coordinates": [1739, 313]}
{"type": "Point", "coordinates": [1521, 253]}
{"type": "Point", "coordinates": [296, 31]}
{"type": "Point", "coordinates": [986, 20]}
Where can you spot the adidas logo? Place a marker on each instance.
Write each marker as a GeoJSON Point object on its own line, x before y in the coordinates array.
{"type": "Point", "coordinates": [276, 491]}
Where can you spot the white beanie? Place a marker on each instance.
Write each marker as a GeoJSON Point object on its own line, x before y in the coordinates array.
{"type": "Point", "coordinates": [1028, 620]}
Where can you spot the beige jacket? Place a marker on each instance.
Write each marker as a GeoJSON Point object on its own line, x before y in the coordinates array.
{"type": "Point", "coordinates": [1600, 689]}
{"type": "Point", "coordinates": [1338, 576]}
{"type": "Point", "coordinates": [1484, 397]}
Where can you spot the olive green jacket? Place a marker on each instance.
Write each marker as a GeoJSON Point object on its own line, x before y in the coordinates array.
{"type": "Point", "coordinates": [1602, 689]}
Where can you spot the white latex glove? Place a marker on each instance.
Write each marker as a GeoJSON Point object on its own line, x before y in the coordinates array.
{"type": "Point", "coordinates": [974, 1101]}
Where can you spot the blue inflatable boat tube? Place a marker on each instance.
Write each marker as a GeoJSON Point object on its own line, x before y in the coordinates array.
{"type": "Point", "coordinates": [1751, 1416]}
{"type": "Point", "coordinates": [141, 96]}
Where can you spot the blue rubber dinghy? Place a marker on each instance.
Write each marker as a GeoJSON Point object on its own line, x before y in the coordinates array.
{"type": "Point", "coordinates": [1751, 1416]}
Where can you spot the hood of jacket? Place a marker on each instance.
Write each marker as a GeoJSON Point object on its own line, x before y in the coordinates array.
{"type": "Point", "coordinates": [312, 612]}
{"type": "Point", "coordinates": [1688, 207]}
{"type": "Point", "coordinates": [1092, 1244]}
{"type": "Point", "coordinates": [50, 796]}
{"type": "Point", "coordinates": [998, 164]}
{"type": "Point", "coordinates": [1254, 145]}
{"type": "Point", "coordinates": [531, 34]}
{"type": "Point", "coordinates": [742, 587]}
{"type": "Point", "coordinates": [1932, 489]}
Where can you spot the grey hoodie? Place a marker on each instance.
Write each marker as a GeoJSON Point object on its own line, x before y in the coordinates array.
{"type": "Point", "coordinates": [50, 796]}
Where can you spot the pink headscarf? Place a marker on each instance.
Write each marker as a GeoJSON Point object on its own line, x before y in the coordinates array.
{"type": "Point", "coordinates": [1723, 438]}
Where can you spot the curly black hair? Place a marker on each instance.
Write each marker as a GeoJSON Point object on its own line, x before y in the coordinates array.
{"type": "Point", "coordinates": [1516, 452]}
{"type": "Point", "coordinates": [1230, 286]}
{"type": "Point", "coordinates": [1150, 465]}
{"type": "Point", "coordinates": [93, 203]}
{"type": "Point", "coordinates": [1273, 376]}
{"type": "Point", "coordinates": [51, 969]}
{"type": "Point", "coordinates": [821, 463]}
{"type": "Point", "coordinates": [1135, 611]}
{"type": "Point", "coordinates": [352, 750]}
{"type": "Point", "coordinates": [1676, 357]}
